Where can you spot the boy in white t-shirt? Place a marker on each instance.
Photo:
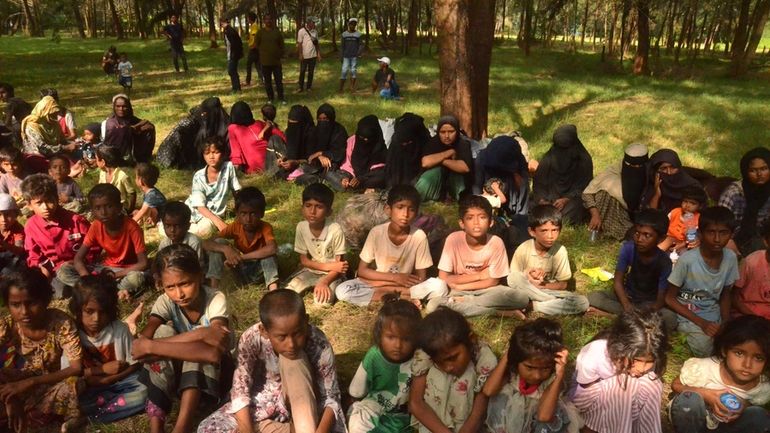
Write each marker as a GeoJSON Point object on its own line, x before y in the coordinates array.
{"type": "Point", "coordinates": [320, 245]}
{"type": "Point", "coordinates": [124, 73]}
{"type": "Point", "coordinates": [395, 256]}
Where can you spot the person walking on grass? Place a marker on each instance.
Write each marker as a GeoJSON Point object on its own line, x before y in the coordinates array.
{"type": "Point", "coordinates": [252, 61]}
{"type": "Point", "coordinates": [175, 35]}
{"type": "Point", "coordinates": [234, 46]}
{"type": "Point", "coordinates": [351, 51]}
{"type": "Point", "coordinates": [309, 53]}
{"type": "Point", "coordinates": [269, 42]}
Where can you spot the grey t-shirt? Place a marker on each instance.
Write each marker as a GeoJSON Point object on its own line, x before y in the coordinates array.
{"type": "Point", "coordinates": [351, 43]}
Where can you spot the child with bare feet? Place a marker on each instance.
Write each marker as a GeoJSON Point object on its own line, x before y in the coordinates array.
{"type": "Point", "coordinates": [395, 256]}
{"type": "Point", "coordinates": [473, 263]}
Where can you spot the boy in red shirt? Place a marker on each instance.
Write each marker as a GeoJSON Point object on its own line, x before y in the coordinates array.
{"type": "Point", "coordinates": [252, 253]}
{"type": "Point", "coordinates": [53, 234]}
{"type": "Point", "coordinates": [121, 239]}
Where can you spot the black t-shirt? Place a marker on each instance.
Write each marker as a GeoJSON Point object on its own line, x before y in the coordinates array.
{"type": "Point", "coordinates": [644, 279]}
{"type": "Point", "coordinates": [176, 34]}
{"type": "Point", "coordinates": [380, 76]}
{"type": "Point", "coordinates": [463, 152]}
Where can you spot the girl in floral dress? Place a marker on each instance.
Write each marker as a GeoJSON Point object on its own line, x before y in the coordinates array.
{"type": "Point", "coordinates": [449, 371]}
{"type": "Point", "coordinates": [33, 338]}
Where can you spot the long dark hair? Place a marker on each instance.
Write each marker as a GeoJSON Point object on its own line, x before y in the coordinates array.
{"type": "Point", "coordinates": [635, 334]}
{"type": "Point", "coordinates": [538, 338]}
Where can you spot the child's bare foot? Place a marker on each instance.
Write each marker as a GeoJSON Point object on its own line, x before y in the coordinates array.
{"type": "Point", "coordinates": [595, 312]}
{"type": "Point", "coordinates": [72, 424]}
{"type": "Point", "coordinates": [272, 286]}
{"type": "Point", "coordinates": [516, 314]}
{"type": "Point", "coordinates": [132, 318]}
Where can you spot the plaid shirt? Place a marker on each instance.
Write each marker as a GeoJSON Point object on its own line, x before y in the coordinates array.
{"type": "Point", "coordinates": [733, 199]}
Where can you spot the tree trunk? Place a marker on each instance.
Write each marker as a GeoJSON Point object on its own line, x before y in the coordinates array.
{"type": "Point", "coordinates": [78, 19]}
{"type": "Point", "coordinates": [465, 54]}
{"type": "Point", "coordinates": [212, 23]}
{"type": "Point", "coordinates": [611, 37]}
{"type": "Point", "coordinates": [414, 7]}
{"type": "Point", "coordinates": [366, 22]}
{"type": "Point", "coordinates": [624, 34]}
{"type": "Point", "coordinates": [140, 21]}
{"type": "Point", "coordinates": [29, 28]}
{"type": "Point", "coordinates": [583, 26]}
{"type": "Point", "coordinates": [741, 29]}
{"type": "Point", "coordinates": [670, 33]}
{"type": "Point", "coordinates": [116, 24]}
{"type": "Point", "coordinates": [741, 60]}
{"type": "Point", "coordinates": [525, 38]}
{"type": "Point", "coordinates": [641, 66]}
{"type": "Point", "coordinates": [332, 15]}
{"type": "Point", "coordinates": [271, 9]}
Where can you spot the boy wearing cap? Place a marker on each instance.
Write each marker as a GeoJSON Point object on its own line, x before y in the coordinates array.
{"type": "Point", "coordinates": [385, 80]}
{"type": "Point", "coordinates": [351, 50]}
{"type": "Point", "coordinates": [11, 233]}
{"type": "Point", "coordinates": [309, 54]}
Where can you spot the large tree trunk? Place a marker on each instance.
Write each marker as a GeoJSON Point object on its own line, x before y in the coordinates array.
{"type": "Point", "coordinates": [78, 18]}
{"type": "Point", "coordinates": [116, 24]}
{"type": "Point", "coordinates": [583, 26]}
{"type": "Point", "coordinates": [212, 23]}
{"type": "Point", "coordinates": [743, 54]}
{"type": "Point", "coordinates": [466, 29]}
{"type": "Point", "coordinates": [414, 15]}
{"type": "Point", "coordinates": [367, 8]}
{"type": "Point", "coordinates": [641, 66]}
{"type": "Point", "coordinates": [525, 33]}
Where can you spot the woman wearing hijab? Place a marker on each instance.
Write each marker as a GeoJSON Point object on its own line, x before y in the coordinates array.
{"type": "Point", "coordinates": [447, 163]}
{"type": "Point", "coordinates": [183, 146]}
{"type": "Point", "coordinates": [40, 131]}
{"type": "Point", "coordinates": [364, 165]}
{"type": "Point", "coordinates": [133, 136]}
{"type": "Point", "coordinates": [405, 152]}
{"type": "Point", "coordinates": [284, 158]}
{"type": "Point", "coordinates": [749, 199]}
{"type": "Point", "coordinates": [615, 194]}
{"type": "Point", "coordinates": [248, 139]}
{"type": "Point", "coordinates": [666, 179]}
{"type": "Point", "coordinates": [564, 172]}
{"type": "Point", "coordinates": [503, 159]}
{"type": "Point", "coordinates": [327, 147]}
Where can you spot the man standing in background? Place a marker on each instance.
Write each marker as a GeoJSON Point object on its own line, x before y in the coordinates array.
{"type": "Point", "coordinates": [175, 35]}
{"type": "Point", "coordinates": [234, 46]}
{"type": "Point", "coordinates": [351, 50]}
{"type": "Point", "coordinates": [253, 58]}
{"type": "Point", "coordinates": [309, 53]}
{"type": "Point", "coordinates": [269, 42]}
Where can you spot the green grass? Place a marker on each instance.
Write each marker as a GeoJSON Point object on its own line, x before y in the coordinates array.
{"type": "Point", "coordinates": [709, 119]}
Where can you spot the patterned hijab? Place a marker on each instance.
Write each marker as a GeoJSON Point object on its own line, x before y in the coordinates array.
{"type": "Point", "coordinates": [39, 120]}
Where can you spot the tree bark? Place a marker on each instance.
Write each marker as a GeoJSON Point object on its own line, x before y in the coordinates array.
{"type": "Point", "coordinates": [466, 35]}
{"type": "Point", "coordinates": [583, 26]}
{"type": "Point", "coordinates": [367, 7]}
{"type": "Point", "coordinates": [414, 7]}
{"type": "Point", "coordinates": [641, 60]}
{"type": "Point", "coordinates": [116, 24]}
{"type": "Point", "coordinates": [212, 24]}
{"type": "Point", "coordinates": [742, 57]}
{"type": "Point", "coordinates": [78, 18]}
{"type": "Point", "coordinates": [525, 40]}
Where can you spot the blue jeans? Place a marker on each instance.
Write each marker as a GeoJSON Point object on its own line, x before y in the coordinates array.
{"type": "Point", "coordinates": [232, 71]}
{"type": "Point", "coordinates": [110, 403]}
{"type": "Point", "coordinates": [249, 271]}
{"type": "Point", "coordinates": [688, 415]}
{"type": "Point", "coordinates": [349, 65]}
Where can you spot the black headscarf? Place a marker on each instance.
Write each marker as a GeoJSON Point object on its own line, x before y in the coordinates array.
{"type": "Point", "coordinates": [633, 178]}
{"type": "Point", "coordinates": [671, 186]}
{"type": "Point", "coordinates": [240, 114]}
{"type": "Point", "coordinates": [756, 195]}
{"type": "Point", "coordinates": [502, 157]}
{"type": "Point", "coordinates": [566, 169]}
{"type": "Point", "coordinates": [330, 137]}
{"type": "Point", "coordinates": [298, 131]}
{"type": "Point", "coordinates": [405, 153]}
{"type": "Point", "coordinates": [370, 145]}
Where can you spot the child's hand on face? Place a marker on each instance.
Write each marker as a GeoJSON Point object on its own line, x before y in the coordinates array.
{"type": "Point", "coordinates": [322, 293]}
{"type": "Point", "coordinates": [340, 267]}
{"type": "Point", "coordinates": [561, 363]}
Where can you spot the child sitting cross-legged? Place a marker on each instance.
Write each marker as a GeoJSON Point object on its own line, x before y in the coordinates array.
{"type": "Point", "coordinates": [320, 244]}
{"type": "Point", "coordinates": [52, 235]}
{"type": "Point", "coordinates": [118, 236]}
{"type": "Point", "coordinates": [737, 368]}
{"type": "Point", "coordinates": [700, 284]}
{"type": "Point", "coordinates": [176, 223]}
{"type": "Point", "coordinates": [12, 172]}
{"type": "Point", "coordinates": [641, 274]}
{"type": "Point", "coordinates": [110, 375]}
{"type": "Point", "coordinates": [752, 290]}
{"type": "Point", "coordinates": [525, 387]}
{"type": "Point", "coordinates": [395, 257]}
{"type": "Point", "coordinates": [185, 342]}
{"type": "Point", "coordinates": [252, 253]}
{"type": "Point", "coordinates": [449, 371]}
{"type": "Point", "coordinates": [683, 222]}
{"type": "Point", "coordinates": [154, 200]}
{"type": "Point", "coordinates": [473, 263]}
{"type": "Point", "coordinates": [35, 389]}
{"type": "Point", "coordinates": [540, 266]}
{"type": "Point", "coordinates": [70, 195]}
{"type": "Point", "coordinates": [11, 234]}
{"type": "Point", "coordinates": [285, 378]}
{"type": "Point", "coordinates": [384, 377]}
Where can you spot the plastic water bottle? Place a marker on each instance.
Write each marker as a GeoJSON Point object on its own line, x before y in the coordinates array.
{"type": "Point", "coordinates": [731, 402]}
{"type": "Point", "coordinates": [691, 231]}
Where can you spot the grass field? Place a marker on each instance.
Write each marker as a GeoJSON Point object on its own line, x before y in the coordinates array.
{"type": "Point", "coordinates": [709, 119]}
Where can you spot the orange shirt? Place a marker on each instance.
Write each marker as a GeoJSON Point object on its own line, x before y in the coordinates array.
{"type": "Point", "coordinates": [120, 251]}
{"type": "Point", "coordinates": [676, 227]}
{"type": "Point", "coordinates": [236, 232]}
